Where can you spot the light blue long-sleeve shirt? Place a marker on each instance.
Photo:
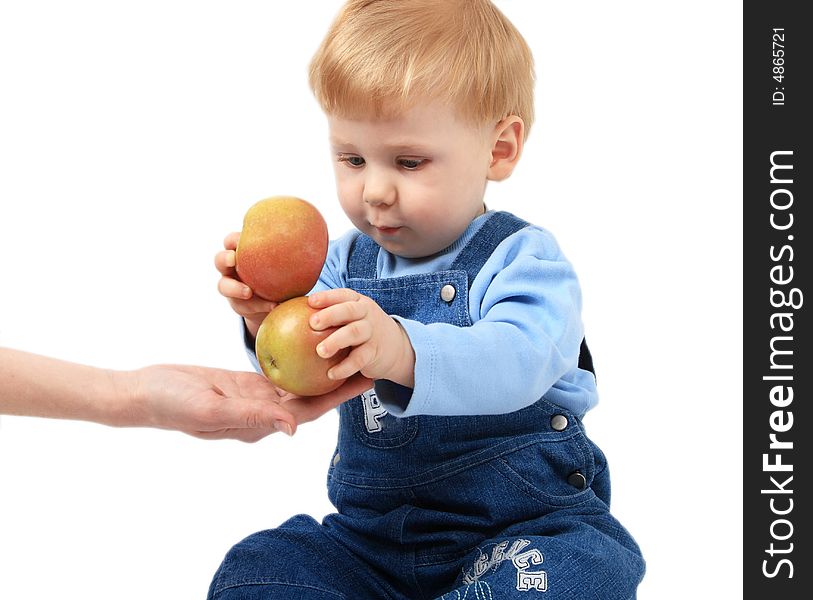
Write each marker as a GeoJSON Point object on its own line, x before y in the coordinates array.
{"type": "Point", "coordinates": [524, 343]}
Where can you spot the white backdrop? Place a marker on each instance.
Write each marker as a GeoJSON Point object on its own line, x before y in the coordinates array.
{"type": "Point", "coordinates": [133, 136]}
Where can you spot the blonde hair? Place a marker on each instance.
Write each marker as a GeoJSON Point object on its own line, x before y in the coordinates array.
{"type": "Point", "coordinates": [381, 56]}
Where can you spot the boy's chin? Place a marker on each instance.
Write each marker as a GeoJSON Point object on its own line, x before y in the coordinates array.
{"type": "Point", "coordinates": [395, 244]}
{"type": "Point", "coordinates": [406, 250]}
{"type": "Point", "coordinates": [405, 242]}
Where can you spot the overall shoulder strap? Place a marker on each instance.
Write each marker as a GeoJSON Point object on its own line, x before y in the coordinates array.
{"type": "Point", "coordinates": [481, 246]}
{"type": "Point", "coordinates": [475, 254]}
{"type": "Point", "coordinates": [363, 258]}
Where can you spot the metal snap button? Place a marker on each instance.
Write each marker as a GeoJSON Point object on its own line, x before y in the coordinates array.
{"type": "Point", "coordinates": [336, 459]}
{"type": "Point", "coordinates": [447, 293]}
{"type": "Point", "coordinates": [558, 422]}
{"type": "Point", "coordinates": [577, 480]}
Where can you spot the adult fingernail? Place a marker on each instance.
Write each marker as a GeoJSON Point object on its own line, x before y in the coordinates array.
{"type": "Point", "coordinates": [284, 427]}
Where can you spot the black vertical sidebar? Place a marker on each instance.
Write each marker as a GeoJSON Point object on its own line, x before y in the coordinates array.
{"type": "Point", "coordinates": [778, 168]}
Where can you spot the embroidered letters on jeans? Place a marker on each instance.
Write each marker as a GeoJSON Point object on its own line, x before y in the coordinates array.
{"type": "Point", "coordinates": [530, 580]}
{"type": "Point", "coordinates": [373, 411]}
{"type": "Point", "coordinates": [527, 580]}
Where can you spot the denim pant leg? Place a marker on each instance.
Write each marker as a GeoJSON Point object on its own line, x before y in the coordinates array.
{"type": "Point", "coordinates": [590, 558]}
{"type": "Point", "coordinates": [295, 561]}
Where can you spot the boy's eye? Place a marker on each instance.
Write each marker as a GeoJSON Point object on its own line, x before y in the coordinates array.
{"type": "Point", "coordinates": [351, 159]}
{"type": "Point", "coordinates": [411, 164]}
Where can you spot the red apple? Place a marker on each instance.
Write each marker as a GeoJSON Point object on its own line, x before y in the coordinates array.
{"type": "Point", "coordinates": [282, 247]}
{"type": "Point", "coordinates": [286, 350]}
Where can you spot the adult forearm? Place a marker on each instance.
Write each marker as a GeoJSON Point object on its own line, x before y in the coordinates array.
{"type": "Point", "coordinates": [40, 386]}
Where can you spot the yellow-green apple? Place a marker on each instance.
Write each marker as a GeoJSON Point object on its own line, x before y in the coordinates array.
{"type": "Point", "coordinates": [282, 247]}
{"type": "Point", "coordinates": [286, 350]}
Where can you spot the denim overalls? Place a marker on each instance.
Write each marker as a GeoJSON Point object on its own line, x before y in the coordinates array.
{"type": "Point", "coordinates": [492, 507]}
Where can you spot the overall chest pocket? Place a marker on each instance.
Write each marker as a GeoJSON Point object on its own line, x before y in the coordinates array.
{"type": "Point", "coordinates": [374, 426]}
{"type": "Point", "coordinates": [438, 297]}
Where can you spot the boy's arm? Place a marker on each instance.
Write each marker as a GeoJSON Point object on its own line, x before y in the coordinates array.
{"type": "Point", "coordinates": [524, 343]}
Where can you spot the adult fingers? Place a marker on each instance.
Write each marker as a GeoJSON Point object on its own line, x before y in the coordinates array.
{"type": "Point", "coordinates": [243, 435]}
{"type": "Point", "coordinates": [306, 409]}
{"type": "Point", "coordinates": [237, 412]}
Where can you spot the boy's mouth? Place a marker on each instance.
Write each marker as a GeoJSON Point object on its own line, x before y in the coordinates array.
{"type": "Point", "coordinates": [386, 230]}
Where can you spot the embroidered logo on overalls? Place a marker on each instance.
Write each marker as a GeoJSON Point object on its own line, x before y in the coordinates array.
{"type": "Point", "coordinates": [374, 411]}
{"type": "Point", "coordinates": [527, 580]}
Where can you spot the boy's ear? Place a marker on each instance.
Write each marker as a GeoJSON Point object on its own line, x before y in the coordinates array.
{"type": "Point", "coordinates": [506, 149]}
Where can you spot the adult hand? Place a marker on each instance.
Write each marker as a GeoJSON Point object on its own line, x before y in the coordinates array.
{"type": "Point", "coordinates": [201, 401]}
{"type": "Point", "coordinates": [208, 403]}
{"type": "Point", "coordinates": [215, 403]}
{"type": "Point", "coordinates": [309, 408]}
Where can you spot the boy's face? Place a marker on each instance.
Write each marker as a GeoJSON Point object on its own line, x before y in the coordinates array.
{"type": "Point", "coordinates": [413, 183]}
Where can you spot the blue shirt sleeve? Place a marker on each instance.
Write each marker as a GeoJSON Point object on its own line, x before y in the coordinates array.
{"type": "Point", "coordinates": [524, 344]}
{"type": "Point", "coordinates": [334, 272]}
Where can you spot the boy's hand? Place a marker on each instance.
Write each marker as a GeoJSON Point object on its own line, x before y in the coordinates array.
{"type": "Point", "coordinates": [241, 297]}
{"type": "Point", "coordinates": [381, 347]}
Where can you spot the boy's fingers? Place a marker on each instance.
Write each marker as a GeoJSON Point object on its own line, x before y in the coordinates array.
{"type": "Point", "coordinates": [231, 288]}
{"type": "Point", "coordinates": [338, 314]}
{"type": "Point", "coordinates": [230, 241]}
{"type": "Point", "coordinates": [225, 261]}
{"type": "Point", "coordinates": [352, 334]}
{"type": "Point", "coordinates": [328, 297]}
{"type": "Point", "coordinates": [359, 358]}
{"type": "Point", "coordinates": [256, 308]}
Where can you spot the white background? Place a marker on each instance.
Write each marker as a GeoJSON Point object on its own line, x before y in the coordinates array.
{"type": "Point", "coordinates": [133, 136]}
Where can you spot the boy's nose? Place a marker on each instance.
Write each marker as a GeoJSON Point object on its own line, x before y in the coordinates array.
{"type": "Point", "coordinates": [378, 190]}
